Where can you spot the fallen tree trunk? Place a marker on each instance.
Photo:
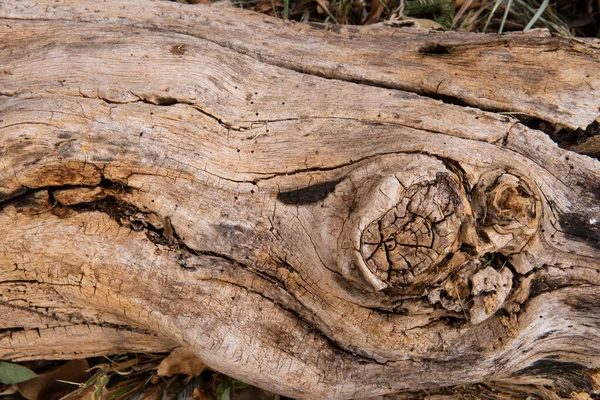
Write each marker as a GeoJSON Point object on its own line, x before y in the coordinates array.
{"type": "Point", "coordinates": [323, 211]}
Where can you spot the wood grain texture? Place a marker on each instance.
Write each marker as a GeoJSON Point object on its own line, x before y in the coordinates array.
{"type": "Point", "coordinates": [547, 77]}
{"type": "Point", "coordinates": [297, 206]}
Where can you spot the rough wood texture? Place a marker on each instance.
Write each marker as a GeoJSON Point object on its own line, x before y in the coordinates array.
{"type": "Point", "coordinates": [299, 205]}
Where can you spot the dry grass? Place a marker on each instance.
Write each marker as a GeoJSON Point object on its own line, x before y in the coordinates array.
{"type": "Point", "coordinates": [562, 17]}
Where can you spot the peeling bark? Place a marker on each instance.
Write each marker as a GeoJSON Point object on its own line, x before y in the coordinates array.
{"type": "Point", "coordinates": [298, 205]}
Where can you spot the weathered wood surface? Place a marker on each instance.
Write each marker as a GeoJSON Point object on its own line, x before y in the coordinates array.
{"type": "Point", "coordinates": [289, 203]}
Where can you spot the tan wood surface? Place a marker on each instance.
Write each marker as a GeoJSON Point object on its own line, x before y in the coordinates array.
{"type": "Point", "coordinates": [323, 211]}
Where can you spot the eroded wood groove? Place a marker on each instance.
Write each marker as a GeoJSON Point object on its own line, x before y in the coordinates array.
{"type": "Point", "coordinates": [385, 68]}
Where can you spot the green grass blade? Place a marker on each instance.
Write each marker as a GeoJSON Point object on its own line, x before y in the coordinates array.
{"type": "Point", "coordinates": [505, 16]}
{"type": "Point", "coordinates": [537, 15]}
{"type": "Point", "coordinates": [550, 20]}
{"type": "Point", "coordinates": [496, 5]}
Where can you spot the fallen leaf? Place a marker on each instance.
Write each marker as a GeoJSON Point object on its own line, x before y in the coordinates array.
{"type": "Point", "coordinates": [199, 395]}
{"type": "Point", "coordinates": [14, 373]}
{"type": "Point", "coordinates": [428, 24]}
{"type": "Point", "coordinates": [377, 7]}
{"type": "Point", "coordinates": [53, 384]}
{"type": "Point", "coordinates": [12, 389]}
{"type": "Point", "coordinates": [324, 5]}
{"type": "Point", "coordinates": [268, 5]}
{"type": "Point", "coordinates": [181, 361]}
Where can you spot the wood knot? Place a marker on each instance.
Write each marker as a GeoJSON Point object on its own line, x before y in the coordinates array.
{"type": "Point", "coordinates": [406, 231]}
{"type": "Point", "coordinates": [421, 230]}
{"type": "Point", "coordinates": [417, 234]}
{"type": "Point", "coordinates": [507, 210]}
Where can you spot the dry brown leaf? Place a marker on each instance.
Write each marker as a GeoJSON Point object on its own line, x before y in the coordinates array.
{"type": "Point", "coordinates": [377, 7]}
{"type": "Point", "coordinates": [48, 385]}
{"type": "Point", "coordinates": [324, 5]}
{"type": "Point", "coordinates": [12, 389]}
{"type": "Point", "coordinates": [199, 395]}
{"type": "Point", "coordinates": [199, 1]}
{"type": "Point", "coordinates": [265, 6]}
{"type": "Point", "coordinates": [181, 361]}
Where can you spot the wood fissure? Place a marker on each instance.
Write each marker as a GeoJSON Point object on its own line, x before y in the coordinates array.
{"type": "Point", "coordinates": [568, 377]}
{"type": "Point", "coordinates": [117, 210]}
{"type": "Point", "coordinates": [210, 26]}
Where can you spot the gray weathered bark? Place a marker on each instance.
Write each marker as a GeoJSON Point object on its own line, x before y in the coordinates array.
{"type": "Point", "coordinates": [323, 211]}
